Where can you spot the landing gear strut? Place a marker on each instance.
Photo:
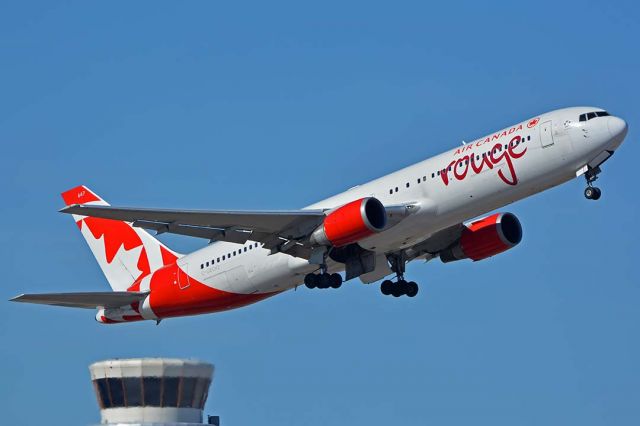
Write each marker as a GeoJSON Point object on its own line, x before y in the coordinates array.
{"type": "Point", "coordinates": [591, 192]}
{"type": "Point", "coordinates": [400, 286]}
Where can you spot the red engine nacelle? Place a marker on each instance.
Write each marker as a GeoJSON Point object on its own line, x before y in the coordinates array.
{"type": "Point", "coordinates": [485, 238]}
{"type": "Point", "coordinates": [351, 222]}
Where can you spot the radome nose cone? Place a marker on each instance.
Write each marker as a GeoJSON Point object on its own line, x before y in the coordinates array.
{"type": "Point", "coordinates": [617, 127]}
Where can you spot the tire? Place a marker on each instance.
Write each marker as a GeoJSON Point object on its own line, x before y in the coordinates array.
{"type": "Point", "coordinates": [399, 288]}
{"type": "Point", "coordinates": [386, 287]}
{"type": "Point", "coordinates": [589, 193]}
{"type": "Point", "coordinates": [336, 280]}
{"type": "Point", "coordinates": [412, 289]}
{"type": "Point", "coordinates": [324, 281]}
{"type": "Point", "coordinates": [597, 194]}
{"type": "Point", "coordinates": [311, 280]}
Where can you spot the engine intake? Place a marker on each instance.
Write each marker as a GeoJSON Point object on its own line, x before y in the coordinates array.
{"type": "Point", "coordinates": [351, 223]}
{"type": "Point", "coordinates": [485, 238]}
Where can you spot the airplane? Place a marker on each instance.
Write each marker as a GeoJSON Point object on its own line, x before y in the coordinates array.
{"type": "Point", "coordinates": [432, 209]}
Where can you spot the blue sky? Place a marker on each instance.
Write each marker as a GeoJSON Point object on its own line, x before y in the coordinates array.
{"type": "Point", "coordinates": [271, 105]}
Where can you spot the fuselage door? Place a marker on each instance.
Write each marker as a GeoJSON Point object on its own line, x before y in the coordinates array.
{"type": "Point", "coordinates": [183, 276]}
{"type": "Point", "coordinates": [546, 134]}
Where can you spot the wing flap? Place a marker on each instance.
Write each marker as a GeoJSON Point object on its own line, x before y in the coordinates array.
{"type": "Point", "coordinates": [87, 300]}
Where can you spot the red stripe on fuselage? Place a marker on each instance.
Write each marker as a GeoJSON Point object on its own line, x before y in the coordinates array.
{"type": "Point", "coordinates": [167, 299]}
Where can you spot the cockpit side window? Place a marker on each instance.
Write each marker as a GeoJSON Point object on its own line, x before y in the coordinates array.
{"type": "Point", "coordinates": [588, 116]}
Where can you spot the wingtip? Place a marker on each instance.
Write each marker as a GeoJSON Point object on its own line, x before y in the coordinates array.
{"type": "Point", "coordinates": [67, 209]}
{"type": "Point", "coordinates": [17, 298]}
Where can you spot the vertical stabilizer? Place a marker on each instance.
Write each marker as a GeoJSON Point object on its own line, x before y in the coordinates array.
{"type": "Point", "coordinates": [124, 253]}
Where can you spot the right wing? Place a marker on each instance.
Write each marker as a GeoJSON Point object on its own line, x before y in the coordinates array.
{"type": "Point", "coordinates": [91, 300]}
{"type": "Point", "coordinates": [272, 228]}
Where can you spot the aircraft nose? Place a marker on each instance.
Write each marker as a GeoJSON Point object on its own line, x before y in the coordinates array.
{"type": "Point", "coordinates": [617, 127]}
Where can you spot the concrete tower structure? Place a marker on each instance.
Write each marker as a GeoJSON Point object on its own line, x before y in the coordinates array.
{"type": "Point", "coordinates": [152, 391]}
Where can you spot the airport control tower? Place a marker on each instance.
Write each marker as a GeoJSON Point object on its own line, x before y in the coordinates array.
{"type": "Point", "coordinates": [152, 391]}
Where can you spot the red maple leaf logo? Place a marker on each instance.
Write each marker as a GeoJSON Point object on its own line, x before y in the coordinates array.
{"type": "Point", "coordinates": [533, 122]}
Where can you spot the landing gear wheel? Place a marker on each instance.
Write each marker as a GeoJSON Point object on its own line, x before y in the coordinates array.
{"type": "Point", "coordinates": [592, 193]}
{"type": "Point", "coordinates": [324, 280]}
{"type": "Point", "coordinates": [412, 289]}
{"type": "Point", "coordinates": [311, 280]}
{"type": "Point", "coordinates": [336, 280]}
{"type": "Point", "coordinates": [399, 288]}
{"type": "Point", "coordinates": [386, 287]}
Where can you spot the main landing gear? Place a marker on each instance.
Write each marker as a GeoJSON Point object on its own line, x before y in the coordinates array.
{"type": "Point", "coordinates": [591, 192]}
{"type": "Point", "coordinates": [323, 280]}
{"type": "Point", "coordinates": [401, 286]}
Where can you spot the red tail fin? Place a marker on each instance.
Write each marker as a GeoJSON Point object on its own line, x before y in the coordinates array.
{"type": "Point", "coordinates": [124, 253]}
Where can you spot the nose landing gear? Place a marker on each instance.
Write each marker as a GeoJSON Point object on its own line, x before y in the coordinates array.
{"type": "Point", "coordinates": [591, 192]}
{"type": "Point", "coordinates": [400, 287]}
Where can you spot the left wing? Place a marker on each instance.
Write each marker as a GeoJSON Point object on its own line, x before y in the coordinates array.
{"type": "Point", "coordinates": [91, 300]}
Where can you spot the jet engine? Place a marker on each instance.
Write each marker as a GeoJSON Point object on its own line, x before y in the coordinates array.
{"type": "Point", "coordinates": [485, 237]}
{"type": "Point", "coordinates": [351, 223]}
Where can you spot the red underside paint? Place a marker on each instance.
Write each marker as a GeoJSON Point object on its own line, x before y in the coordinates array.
{"type": "Point", "coordinates": [106, 320]}
{"type": "Point", "coordinates": [131, 318]}
{"type": "Point", "coordinates": [169, 300]}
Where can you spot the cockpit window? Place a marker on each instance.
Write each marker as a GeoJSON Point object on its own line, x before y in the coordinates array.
{"type": "Point", "coordinates": [588, 116]}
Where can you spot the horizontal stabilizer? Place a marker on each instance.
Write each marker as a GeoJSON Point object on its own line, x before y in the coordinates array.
{"type": "Point", "coordinates": [107, 299]}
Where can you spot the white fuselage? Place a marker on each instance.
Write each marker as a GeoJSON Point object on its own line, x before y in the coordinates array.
{"type": "Point", "coordinates": [550, 150]}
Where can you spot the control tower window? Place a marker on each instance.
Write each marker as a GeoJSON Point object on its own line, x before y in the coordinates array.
{"type": "Point", "coordinates": [170, 392]}
{"type": "Point", "coordinates": [152, 391]}
{"type": "Point", "coordinates": [117, 393]}
{"type": "Point", "coordinates": [187, 393]}
{"type": "Point", "coordinates": [103, 393]}
{"type": "Point", "coordinates": [202, 385]}
{"type": "Point", "coordinates": [133, 391]}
